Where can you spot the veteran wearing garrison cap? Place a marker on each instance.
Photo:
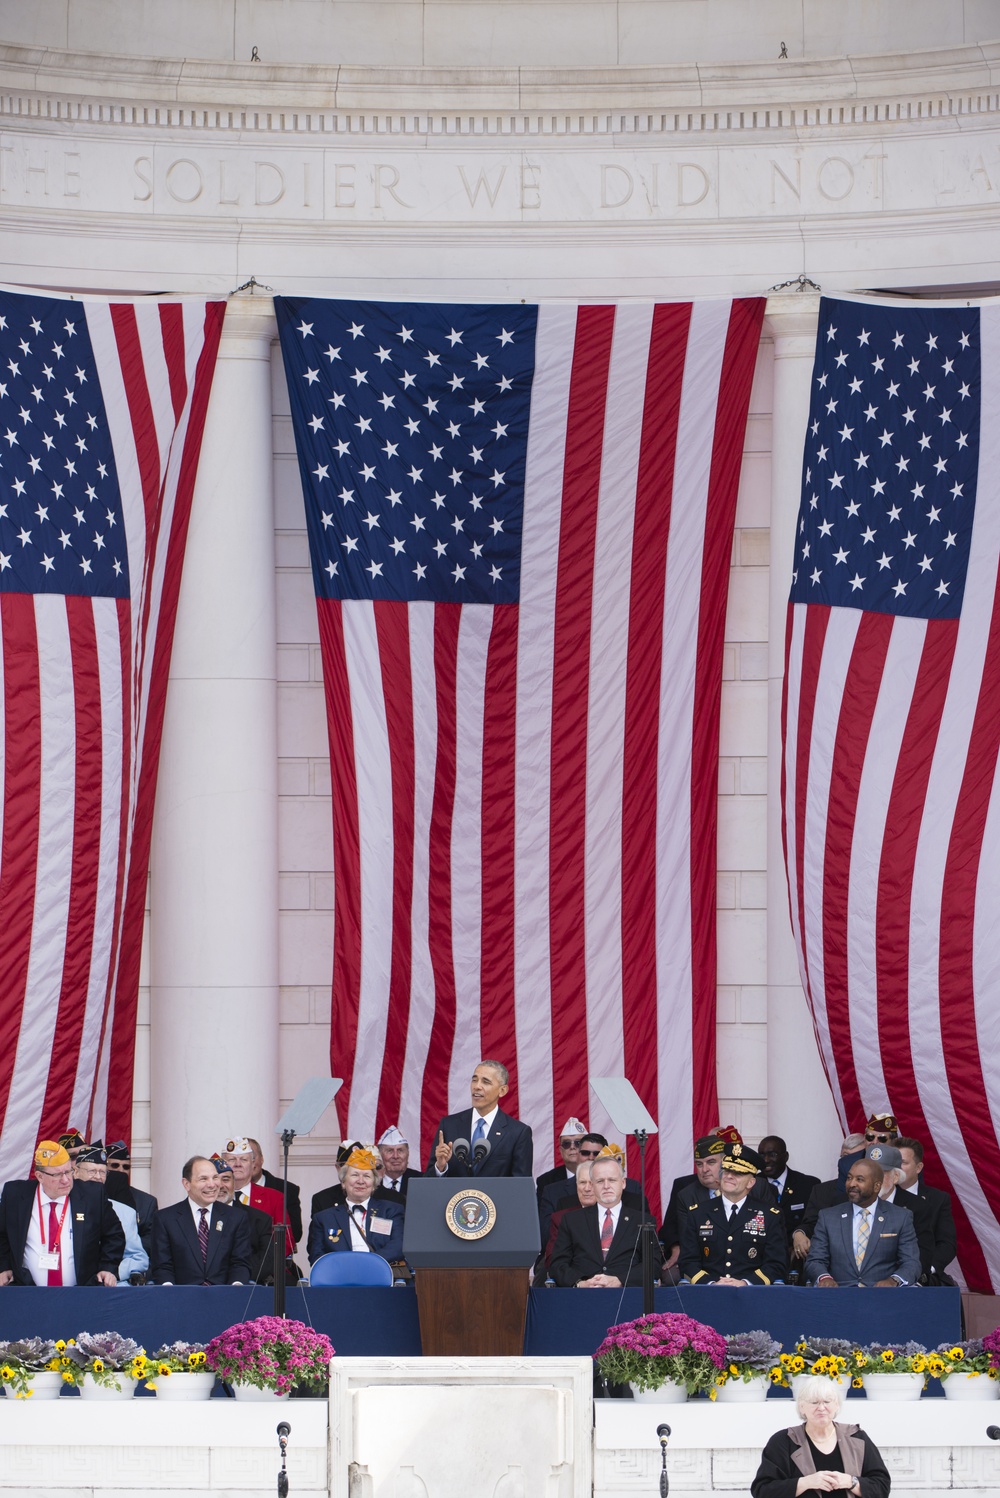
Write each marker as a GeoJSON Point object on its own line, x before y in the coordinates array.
{"type": "Point", "coordinates": [735, 1238]}
{"type": "Point", "coordinates": [55, 1230]}
{"type": "Point", "coordinates": [360, 1223]}
{"type": "Point", "coordinates": [394, 1148]}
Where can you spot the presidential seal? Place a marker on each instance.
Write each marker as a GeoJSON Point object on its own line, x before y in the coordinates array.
{"type": "Point", "coordinates": [470, 1214]}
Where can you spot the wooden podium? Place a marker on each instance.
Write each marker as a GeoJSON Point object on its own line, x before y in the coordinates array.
{"type": "Point", "coordinates": [471, 1241]}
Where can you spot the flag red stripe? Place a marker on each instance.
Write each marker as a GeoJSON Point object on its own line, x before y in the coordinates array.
{"type": "Point", "coordinates": [22, 791]}
{"type": "Point", "coordinates": [857, 709]}
{"type": "Point", "coordinates": [964, 1063]}
{"type": "Point", "coordinates": [651, 530]}
{"type": "Point", "coordinates": [346, 848]}
{"type": "Point", "coordinates": [896, 867]}
{"type": "Point", "coordinates": [498, 1026]}
{"type": "Point", "coordinates": [434, 1102]}
{"type": "Point", "coordinates": [739, 360]}
{"type": "Point", "coordinates": [79, 939]}
{"type": "Point", "coordinates": [172, 334]}
{"type": "Point", "coordinates": [155, 661]}
{"type": "Point", "coordinates": [817, 620]}
{"type": "Point", "coordinates": [392, 628]}
{"type": "Point", "coordinates": [570, 702]}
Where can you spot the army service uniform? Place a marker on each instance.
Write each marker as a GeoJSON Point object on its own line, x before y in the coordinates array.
{"type": "Point", "coordinates": [749, 1246]}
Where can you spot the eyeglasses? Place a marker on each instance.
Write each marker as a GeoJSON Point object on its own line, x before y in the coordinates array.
{"type": "Point", "coordinates": [590, 1154]}
{"type": "Point", "coordinates": [877, 1138]}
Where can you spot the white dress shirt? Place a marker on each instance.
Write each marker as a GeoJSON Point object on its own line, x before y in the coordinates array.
{"type": "Point", "coordinates": [34, 1248]}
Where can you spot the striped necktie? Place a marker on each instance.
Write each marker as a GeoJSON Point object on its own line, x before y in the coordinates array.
{"type": "Point", "coordinates": [203, 1234]}
{"type": "Point", "coordinates": [863, 1231]}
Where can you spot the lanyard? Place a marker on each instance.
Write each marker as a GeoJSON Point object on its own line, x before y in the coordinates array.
{"type": "Point", "coordinates": [53, 1247]}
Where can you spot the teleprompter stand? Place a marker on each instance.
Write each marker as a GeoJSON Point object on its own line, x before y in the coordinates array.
{"type": "Point", "coordinates": [629, 1114]}
{"type": "Point", "coordinates": [301, 1117]}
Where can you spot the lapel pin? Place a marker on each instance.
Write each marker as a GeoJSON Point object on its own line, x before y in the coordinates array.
{"type": "Point", "coordinates": [218, 1226]}
{"type": "Point", "coordinates": [80, 1217]}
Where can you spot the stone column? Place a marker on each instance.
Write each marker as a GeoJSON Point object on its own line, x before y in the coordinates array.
{"type": "Point", "coordinates": [214, 885]}
{"type": "Point", "coordinates": [800, 1106]}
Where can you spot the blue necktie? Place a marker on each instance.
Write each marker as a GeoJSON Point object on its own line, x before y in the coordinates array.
{"type": "Point", "coordinates": [478, 1133]}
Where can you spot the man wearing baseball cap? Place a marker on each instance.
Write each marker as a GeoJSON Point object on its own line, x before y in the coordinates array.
{"type": "Point", "coordinates": [734, 1239]}
{"type": "Point", "coordinates": [55, 1230]}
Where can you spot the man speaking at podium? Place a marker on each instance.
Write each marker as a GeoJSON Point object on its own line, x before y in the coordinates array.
{"type": "Point", "coordinates": [482, 1140]}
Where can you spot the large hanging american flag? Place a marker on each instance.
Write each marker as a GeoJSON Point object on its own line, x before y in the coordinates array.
{"type": "Point", "coordinates": [892, 724]}
{"type": "Point", "coordinates": [102, 409]}
{"type": "Point", "coordinates": [520, 522]}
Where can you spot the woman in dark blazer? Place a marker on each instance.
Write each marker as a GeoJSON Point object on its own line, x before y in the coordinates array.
{"type": "Point", "coordinates": [820, 1453]}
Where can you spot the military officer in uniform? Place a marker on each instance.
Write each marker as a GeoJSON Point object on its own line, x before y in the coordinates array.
{"type": "Point", "coordinates": [734, 1239]}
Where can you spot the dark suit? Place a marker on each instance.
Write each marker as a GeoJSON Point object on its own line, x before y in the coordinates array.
{"type": "Point", "coordinates": [261, 1253]}
{"type": "Point", "coordinates": [577, 1254]}
{"type": "Point", "coordinates": [922, 1225]}
{"type": "Point", "coordinates": [794, 1199]}
{"type": "Point", "coordinates": [826, 1194]}
{"type": "Point", "coordinates": [294, 1200]}
{"type": "Point", "coordinates": [892, 1246]}
{"type": "Point", "coordinates": [330, 1232]}
{"type": "Point", "coordinates": [177, 1255]}
{"type": "Point", "coordinates": [98, 1236]}
{"type": "Point", "coordinates": [509, 1140]}
{"type": "Point", "coordinates": [386, 1193]}
{"type": "Point", "coordinates": [942, 1223]}
{"type": "Point", "coordinates": [555, 1177]}
{"type": "Point", "coordinates": [563, 1194]}
{"type": "Point", "coordinates": [146, 1208]}
{"type": "Point", "coordinates": [749, 1245]}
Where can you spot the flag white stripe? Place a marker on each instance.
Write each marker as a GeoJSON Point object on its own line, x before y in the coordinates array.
{"type": "Point", "coordinates": [534, 727]}
{"type": "Point", "coordinates": [606, 702]}
{"type": "Point", "coordinates": [110, 668]}
{"type": "Point", "coordinates": [373, 774]}
{"type": "Point", "coordinates": [54, 869]}
{"type": "Point", "coordinates": [422, 990]}
{"type": "Point", "coordinates": [885, 738]}
{"type": "Point", "coordinates": [681, 615]}
{"type": "Point", "coordinates": [466, 851]}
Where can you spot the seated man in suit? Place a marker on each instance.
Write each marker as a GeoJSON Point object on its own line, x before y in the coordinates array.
{"type": "Point", "coordinates": [508, 1141]}
{"type": "Point", "coordinates": [564, 1174]}
{"type": "Point", "coordinates": [889, 1159]}
{"type": "Point", "coordinates": [793, 1187]}
{"type": "Point", "coordinates": [598, 1246]}
{"type": "Point", "coordinates": [120, 1163]}
{"type": "Point", "coordinates": [394, 1148]}
{"type": "Point", "coordinates": [261, 1253]}
{"type": "Point", "coordinates": [735, 1238]}
{"type": "Point", "coordinates": [865, 1242]}
{"type": "Point", "coordinates": [198, 1241]}
{"type": "Point", "coordinates": [944, 1238]}
{"type": "Point", "coordinates": [56, 1230]}
{"type": "Point", "coordinates": [360, 1223]}
{"type": "Point", "coordinates": [827, 1194]}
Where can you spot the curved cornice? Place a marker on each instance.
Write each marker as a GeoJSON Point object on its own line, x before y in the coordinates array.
{"type": "Point", "coordinates": [79, 88]}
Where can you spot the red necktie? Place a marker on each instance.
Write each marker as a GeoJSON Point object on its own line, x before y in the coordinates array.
{"type": "Point", "coordinates": [55, 1247]}
{"type": "Point", "coordinates": [607, 1233]}
{"type": "Point", "coordinates": [203, 1234]}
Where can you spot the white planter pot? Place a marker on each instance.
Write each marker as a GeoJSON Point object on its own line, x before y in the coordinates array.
{"type": "Point", "coordinates": [895, 1386]}
{"type": "Point", "coordinates": [667, 1393]}
{"type": "Point", "coordinates": [90, 1389]}
{"type": "Point", "coordinates": [184, 1386]}
{"type": "Point", "coordinates": [743, 1391]}
{"type": "Point", "coordinates": [44, 1385]}
{"type": "Point", "coordinates": [253, 1395]}
{"type": "Point", "coordinates": [976, 1388]}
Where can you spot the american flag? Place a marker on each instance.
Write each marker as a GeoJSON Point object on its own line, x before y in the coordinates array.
{"type": "Point", "coordinates": [102, 408]}
{"type": "Point", "coordinates": [520, 522]}
{"type": "Point", "coordinates": [892, 723]}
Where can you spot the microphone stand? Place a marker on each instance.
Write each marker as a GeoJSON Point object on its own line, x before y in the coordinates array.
{"type": "Point", "coordinates": [663, 1431]}
{"type": "Point", "coordinates": [284, 1431]}
{"type": "Point", "coordinates": [647, 1230]}
{"type": "Point", "coordinates": [279, 1243]}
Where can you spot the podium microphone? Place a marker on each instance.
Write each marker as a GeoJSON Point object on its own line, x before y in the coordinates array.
{"type": "Point", "coordinates": [460, 1149]}
{"type": "Point", "coordinates": [663, 1431]}
{"type": "Point", "coordinates": [481, 1150]}
{"type": "Point", "coordinates": [993, 1431]}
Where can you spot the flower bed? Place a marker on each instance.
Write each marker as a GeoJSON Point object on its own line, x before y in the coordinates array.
{"type": "Point", "coordinates": [658, 1348]}
{"type": "Point", "coordinates": [271, 1353]}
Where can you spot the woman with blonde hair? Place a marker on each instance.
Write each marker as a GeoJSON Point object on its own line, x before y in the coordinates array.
{"type": "Point", "coordinates": [820, 1453]}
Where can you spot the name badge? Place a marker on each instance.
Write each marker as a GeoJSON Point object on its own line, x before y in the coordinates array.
{"type": "Point", "coordinates": [48, 1261]}
{"type": "Point", "coordinates": [381, 1225]}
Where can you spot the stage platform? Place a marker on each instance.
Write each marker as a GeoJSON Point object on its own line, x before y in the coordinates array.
{"type": "Point", "coordinates": [457, 1428]}
{"type": "Point", "coordinates": [560, 1323]}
